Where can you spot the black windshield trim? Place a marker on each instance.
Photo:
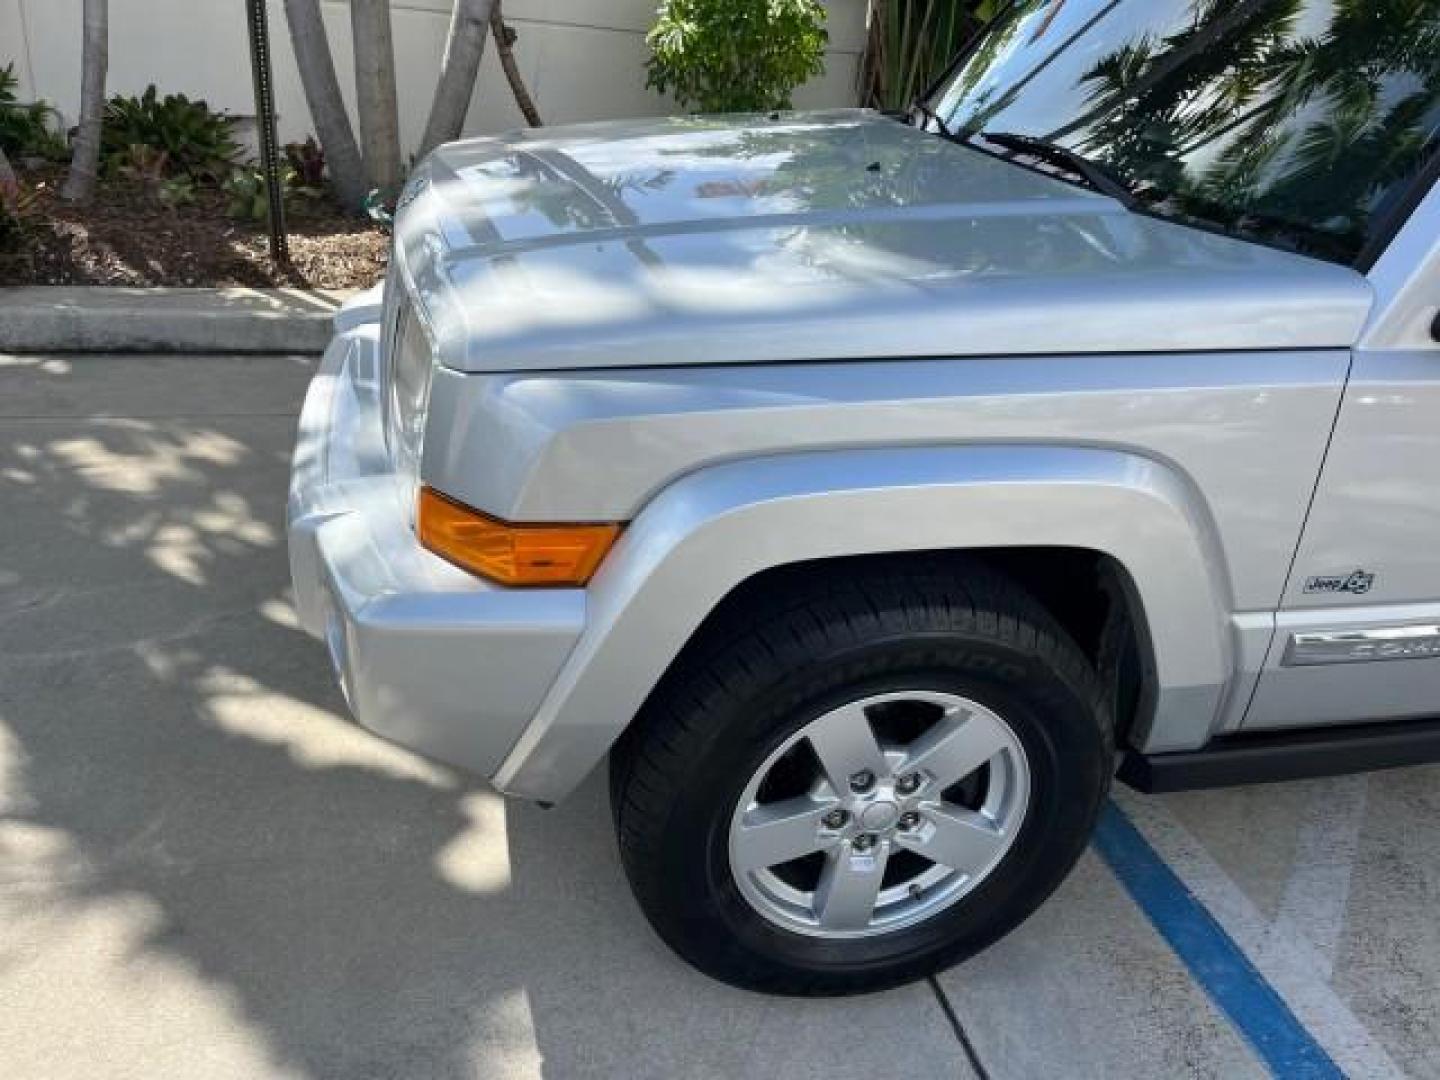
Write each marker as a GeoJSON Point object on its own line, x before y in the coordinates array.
{"type": "Point", "coordinates": [1400, 215]}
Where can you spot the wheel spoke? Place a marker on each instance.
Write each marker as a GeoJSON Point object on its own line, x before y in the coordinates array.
{"type": "Point", "coordinates": [845, 744]}
{"type": "Point", "coordinates": [956, 746]}
{"type": "Point", "coordinates": [848, 886]}
{"type": "Point", "coordinates": [775, 833]}
{"type": "Point", "coordinates": [814, 858]}
{"type": "Point", "coordinates": [960, 839]}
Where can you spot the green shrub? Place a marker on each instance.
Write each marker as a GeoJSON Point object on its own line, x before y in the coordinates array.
{"type": "Point", "coordinates": [26, 130]}
{"type": "Point", "coordinates": [736, 55]}
{"type": "Point", "coordinates": [249, 194]}
{"type": "Point", "coordinates": [177, 191]}
{"type": "Point", "coordinates": [197, 142]}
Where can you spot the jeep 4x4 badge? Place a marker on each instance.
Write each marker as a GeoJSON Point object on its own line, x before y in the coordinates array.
{"type": "Point", "coordinates": [1357, 583]}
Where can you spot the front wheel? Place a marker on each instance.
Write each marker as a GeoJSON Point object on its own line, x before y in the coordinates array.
{"type": "Point", "coordinates": [847, 786]}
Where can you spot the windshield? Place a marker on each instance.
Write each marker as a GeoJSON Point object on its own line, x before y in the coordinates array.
{"type": "Point", "coordinates": [1297, 123]}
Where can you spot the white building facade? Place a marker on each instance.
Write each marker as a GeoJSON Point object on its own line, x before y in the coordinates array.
{"type": "Point", "coordinates": [582, 59]}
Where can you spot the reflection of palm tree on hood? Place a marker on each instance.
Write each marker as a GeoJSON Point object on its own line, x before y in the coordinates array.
{"type": "Point", "coordinates": [604, 205]}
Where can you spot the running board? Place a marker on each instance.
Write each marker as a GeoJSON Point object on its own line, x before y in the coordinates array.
{"type": "Point", "coordinates": [1271, 756]}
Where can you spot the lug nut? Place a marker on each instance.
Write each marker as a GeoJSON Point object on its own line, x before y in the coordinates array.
{"type": "Point", "coordinates": [836, 819]}
{"type": "Point", "coordinates": [863, 842]}
{"type": "Point", "coordinates": [863, 780]}
{"type": "Point", "coordinates": [908, 784]}
{"type": "Point", "coordinates": [909, 821]}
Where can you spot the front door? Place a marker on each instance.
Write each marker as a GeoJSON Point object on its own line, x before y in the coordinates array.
{"type": "Point", "coordinates": [1358, 633]}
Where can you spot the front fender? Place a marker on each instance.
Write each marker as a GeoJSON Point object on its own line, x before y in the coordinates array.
{"type": "Point", "coordinates": [710, 531]}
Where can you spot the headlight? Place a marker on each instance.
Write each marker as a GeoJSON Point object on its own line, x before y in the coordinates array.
{"type": "Point", "coordinates": [409, 369]}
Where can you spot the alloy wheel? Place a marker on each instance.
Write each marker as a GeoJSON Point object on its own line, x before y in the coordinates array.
{"type": "Point", "coordinates": [879, 814]}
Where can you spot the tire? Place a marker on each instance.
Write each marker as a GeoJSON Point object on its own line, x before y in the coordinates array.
{"type": "Point", "coordinates": [754, 700]}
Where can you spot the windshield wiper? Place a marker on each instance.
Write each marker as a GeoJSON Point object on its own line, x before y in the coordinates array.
{"type": "Point", "coordinates": [1096, 175]}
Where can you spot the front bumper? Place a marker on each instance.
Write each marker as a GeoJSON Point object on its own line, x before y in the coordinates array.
{"type": "Point", "coordinates": [428, 656]}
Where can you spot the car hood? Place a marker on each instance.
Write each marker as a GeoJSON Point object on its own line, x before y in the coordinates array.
{"type": "Point", "coordinates": [818, 236]}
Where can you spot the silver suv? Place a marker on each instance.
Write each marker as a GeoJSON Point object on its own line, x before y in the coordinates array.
{"type": "Point", "coordinates": [867, 486]}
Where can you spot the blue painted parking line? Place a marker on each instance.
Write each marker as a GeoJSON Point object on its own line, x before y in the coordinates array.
{"type": "Point", "coordinates": [1215, 962]}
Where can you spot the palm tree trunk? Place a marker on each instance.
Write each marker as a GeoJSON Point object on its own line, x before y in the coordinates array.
{"type": "Point", "coordinates": [95, 63]}
{"type": "Point", "coordinates": [327, 107]}
{"type": "Point", "coordinates": [469, 27]}
{"type": "Point", "coordinates": [505, 45]}
{"type": "Point", "coordinates": [375, 92]}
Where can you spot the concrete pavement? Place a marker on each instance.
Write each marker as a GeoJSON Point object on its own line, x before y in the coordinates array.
{"type": "Point", "coordinates": [205, 870]}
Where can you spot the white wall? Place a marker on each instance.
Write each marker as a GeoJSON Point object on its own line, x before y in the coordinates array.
{"type": "Point", "coordinates": [583, 59]}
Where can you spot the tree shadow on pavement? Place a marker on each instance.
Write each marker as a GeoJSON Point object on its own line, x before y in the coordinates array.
{"type": "Point", "coordinates": [205, 869]}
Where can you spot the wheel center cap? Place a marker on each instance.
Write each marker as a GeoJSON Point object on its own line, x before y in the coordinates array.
{"type": "Point", "coordinates": [879, 815]}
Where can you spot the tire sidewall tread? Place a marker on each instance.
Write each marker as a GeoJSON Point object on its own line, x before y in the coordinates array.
{"type": "Point", "coordinates": [764, 667]}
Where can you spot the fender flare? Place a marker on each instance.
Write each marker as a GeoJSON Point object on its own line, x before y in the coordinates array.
{"type": "Point", "coordinates": [713, 529]}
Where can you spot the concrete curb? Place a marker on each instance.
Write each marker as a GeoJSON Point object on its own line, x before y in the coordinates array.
{"type": "Point", "coordinates": [64, 319]}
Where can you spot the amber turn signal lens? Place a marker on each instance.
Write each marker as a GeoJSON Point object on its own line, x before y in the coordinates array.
{"type": "Point", "coordinates": [512, 554]}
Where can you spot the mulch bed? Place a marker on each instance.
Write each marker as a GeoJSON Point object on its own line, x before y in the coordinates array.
{"type": "Point", "coordinates": [127, 237]}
